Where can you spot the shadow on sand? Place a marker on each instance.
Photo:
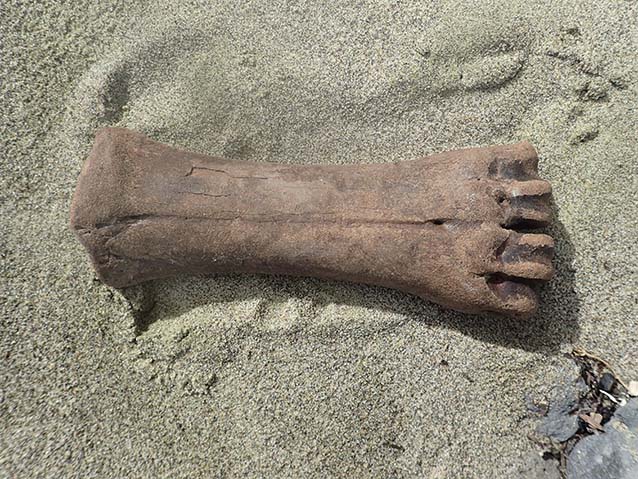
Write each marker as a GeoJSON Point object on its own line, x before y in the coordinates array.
{"type": "Point", "coordinates": [553, 325]}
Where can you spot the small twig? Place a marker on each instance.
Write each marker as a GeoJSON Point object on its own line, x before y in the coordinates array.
{"type": "Point", "coordinates": [620, 402]}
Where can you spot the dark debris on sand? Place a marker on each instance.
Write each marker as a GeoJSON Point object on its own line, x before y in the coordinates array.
{"type": "Point", "coordinates": [591, 425]}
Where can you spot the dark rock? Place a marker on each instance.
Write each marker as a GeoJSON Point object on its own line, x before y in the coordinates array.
{"type": "Point", "coordinates": [607, 382]}
{"type": "Point", "coordinates": [628, 415]}
{"type": "Point", "coordinates": [560, 424]}
{"type": "Point", "coordinates": [612, 455]}
{"type": "Point", "coordinates": [559, 428]}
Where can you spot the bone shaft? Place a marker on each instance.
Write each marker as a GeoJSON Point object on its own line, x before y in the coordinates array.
{"type": "Point", "coordinates": [145, 210]}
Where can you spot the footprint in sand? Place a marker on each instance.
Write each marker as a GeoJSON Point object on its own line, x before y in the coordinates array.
{"type": "Point", "coordinates": [440, 77]}
{"type": "Point", "coordinates": [483, 73]}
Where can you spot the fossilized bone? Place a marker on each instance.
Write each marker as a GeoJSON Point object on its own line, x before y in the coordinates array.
{"type": "Point", "coordinates": [442, 227]}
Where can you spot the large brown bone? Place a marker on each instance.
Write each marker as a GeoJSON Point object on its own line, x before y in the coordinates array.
{"type": "Point", "coordinates": [436, 227]}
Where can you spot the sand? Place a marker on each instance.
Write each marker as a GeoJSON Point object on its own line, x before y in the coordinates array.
{"type": "Point", "coordinates": [278, 377]}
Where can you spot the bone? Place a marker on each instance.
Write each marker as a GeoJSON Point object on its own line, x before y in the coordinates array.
{"type": "Point", "coordinates": [436, 227]}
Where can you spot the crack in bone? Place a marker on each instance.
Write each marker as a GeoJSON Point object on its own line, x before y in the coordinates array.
{"type": "Point", "coordinates": [218, 170]}
{"type": "Point", "coordinates": [201, 193]}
